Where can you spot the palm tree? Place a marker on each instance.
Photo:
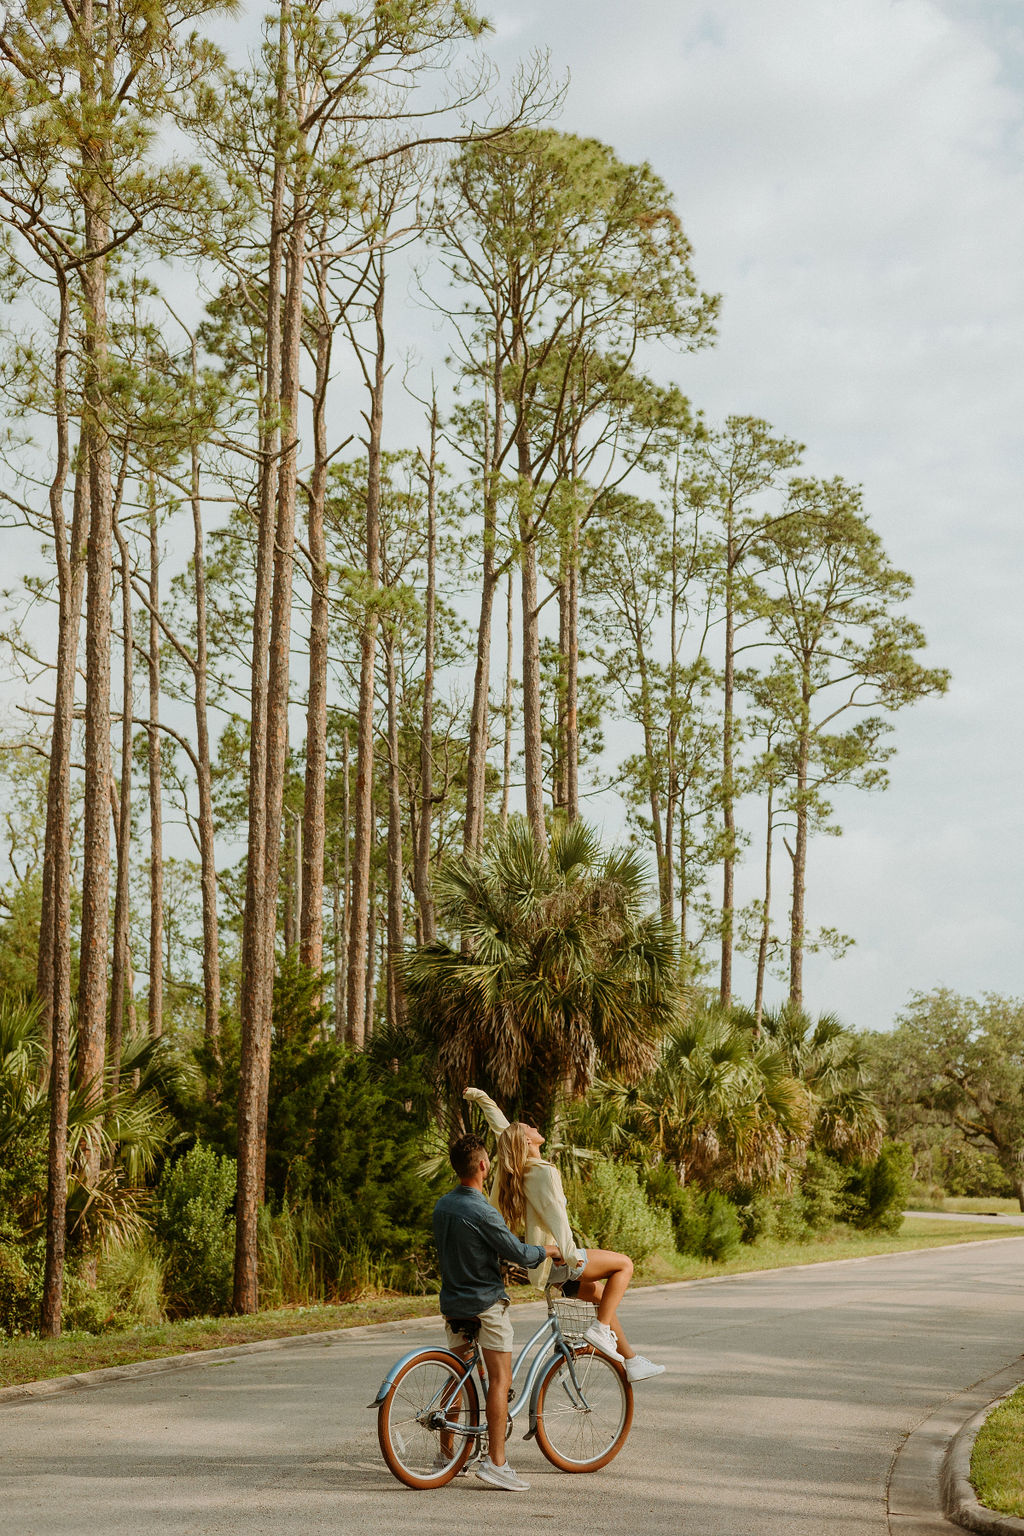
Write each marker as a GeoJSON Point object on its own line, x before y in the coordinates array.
{"type": "Point", "coordinates": [130, 1125]}
{"type": "Point", "coordinates": [562, 969]}
{"type": "Point", "coordinates": [719, 1105]}
{"type": "Point", "coordinates": [833, 1066]}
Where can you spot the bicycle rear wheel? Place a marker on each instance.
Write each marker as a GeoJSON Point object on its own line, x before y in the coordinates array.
{"type": "Point", "coordinates": [425, 1396]}
{"type": "Point", "coordinates": [580, 1436]}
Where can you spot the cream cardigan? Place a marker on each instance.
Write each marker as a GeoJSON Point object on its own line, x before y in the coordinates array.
{"type": "Point", "coordinates": [547, 1220]}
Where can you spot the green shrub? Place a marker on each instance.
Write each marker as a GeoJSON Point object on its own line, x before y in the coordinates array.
{"type": "Point", "coordinates": [877, 1192]}
{"type": "Point", "coordinates": [21, 1279]}
{"type": "Point", "coordinates": [721, 1228]}
{"type": "Point", "coordinates": [822, 1185]}
{"type": "Point", "coordinates": [195, 1225]}
{"type": "Point", "coordinates": [611, 1210]}
{"type": "Point", "coordinates": [973, 1171]}
{"type": "Point", "coordinates": [704, 1222]}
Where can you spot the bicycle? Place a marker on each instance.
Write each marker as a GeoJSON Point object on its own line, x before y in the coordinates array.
{"type": "Point", "coordinates": [580, 1403]}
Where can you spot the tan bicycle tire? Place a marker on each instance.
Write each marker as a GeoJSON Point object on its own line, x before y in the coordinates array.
{"type": "Point", "coordinates": [549, 1450]}
{"type": "Point", "coordinates": [391, 1458]}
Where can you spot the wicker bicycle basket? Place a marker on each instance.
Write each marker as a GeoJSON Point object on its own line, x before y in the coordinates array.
{"type": "Point", "coordinates": [574, 1317]}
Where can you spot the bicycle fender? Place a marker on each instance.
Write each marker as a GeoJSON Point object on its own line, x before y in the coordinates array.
{"type": "Point", "coordinates": [389, 1379]}
{"type": "Point", "coordinates": [534, 1395]}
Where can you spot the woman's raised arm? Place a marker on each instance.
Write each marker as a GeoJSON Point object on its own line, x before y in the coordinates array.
{"type": "Point", "coordinates": [492, 1114]}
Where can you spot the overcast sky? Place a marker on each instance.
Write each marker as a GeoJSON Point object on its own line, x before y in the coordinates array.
{"type": "Point", "coordinates": [849, 172]}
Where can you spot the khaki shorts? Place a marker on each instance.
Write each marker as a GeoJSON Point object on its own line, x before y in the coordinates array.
{"type": "Point", "coordinates": [495, 1330]}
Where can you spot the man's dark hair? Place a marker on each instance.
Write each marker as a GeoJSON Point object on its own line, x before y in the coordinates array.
{"type": "Point", "coordinates": [465, 1155]}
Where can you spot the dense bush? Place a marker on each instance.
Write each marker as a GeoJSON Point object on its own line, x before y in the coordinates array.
{"type": "Point", "coordinates": [194, 1222]}
{"type": "Point", "coordinates": [705, 1223]}
{"type": "Point", "coordinates": [611, 1210]}
{"type": "Point", "coordinates": [876, 1192]}
{"type": "Point", "coordinates": [344, 1144]}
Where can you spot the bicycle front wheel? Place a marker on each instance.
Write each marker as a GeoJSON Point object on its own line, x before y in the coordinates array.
{"type": "Point", "coordinates": [417, 1421]}
{"type": "Point", "coordinates": [581, 1436]}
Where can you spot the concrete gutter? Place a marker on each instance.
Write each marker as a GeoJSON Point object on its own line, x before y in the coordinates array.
{"type": "Point", "coordinates": [929, 1490]}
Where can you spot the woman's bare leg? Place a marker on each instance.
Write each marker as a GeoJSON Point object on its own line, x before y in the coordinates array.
{"type": "Point", "coordinates": [616, 1271]}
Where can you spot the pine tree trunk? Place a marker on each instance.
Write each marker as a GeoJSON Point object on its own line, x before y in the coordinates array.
{"type": "Point", "coordinates": [559, 786]}
{"type": "Point", "coordinates": [797, 918]}
{"type": "Point", "coordinates": [204, 776]}
{"type": "Point", "coordinates": [766, 916]}
{"type": "Point", "coordinates": [506, 766]}
{"type": "Point", "coordinates": [371, 966]}
{"type": "Point", "coordinates": [123, 814]}
{"type": "Point", "coordinates": [311, 939]}
{"type": "Point", "coordinates": [479, 719]}
{"type": "Point", "coordinates": [337, 937]}
{"type": "Point", "coordinates": [95, 932]}
{"type": "Point", "coordinates": [728, 807]}
{"type": "Point", "coordinates": [257, 980]}
{"type": "Point", "coordinates": [55, 939]}
{"type": "Point", "coordinates": [360, 951]}
{"type": "Point", "coordinates": [156, 816]}
{"type": "Point", "coordinates": [341, 1023]}
{"type": "Point", "coordinates": [572, 670]}
{"type": "Point", "coordinates": [424, 898]}
{"type": "Point", "coordinates": [396, 927]}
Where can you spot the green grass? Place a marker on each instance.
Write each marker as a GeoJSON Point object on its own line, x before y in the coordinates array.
{"type": "Point", "coordinates": [997, 1461]}
{"type": "Point", "coordinates": [916, 1232]}
{"type": "Point", "coordinates": [31, 1359]}
{"type": "Point", "coordinates": [974, 1205]}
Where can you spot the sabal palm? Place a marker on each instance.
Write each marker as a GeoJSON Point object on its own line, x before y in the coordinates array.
{"type": "Point", "coordinates": [717, 1105]}
{"type": "Point", "coordinates": [832, 1065]}
{"type": "Point", "coordinates": [131, 1125]}
{"type": "Point", "coordinates": [562, 968]}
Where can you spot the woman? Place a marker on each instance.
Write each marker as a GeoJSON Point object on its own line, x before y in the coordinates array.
{"type": "Point", "coordinates": [528, 1192]}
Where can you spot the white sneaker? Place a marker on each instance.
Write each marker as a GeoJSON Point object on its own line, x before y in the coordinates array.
{"type": "Point", "coordinates": [639, 1368]}
{"type": "Point", "coordinates": [603, 1340]}
{"type": "Point", "coordinates": [500, 1477]}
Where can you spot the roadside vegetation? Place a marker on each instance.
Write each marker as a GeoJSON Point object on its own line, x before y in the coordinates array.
{"type": "Point", "coordinates": [29, 1358]}
{"type": "Point", "coordinates": [997, 1460]}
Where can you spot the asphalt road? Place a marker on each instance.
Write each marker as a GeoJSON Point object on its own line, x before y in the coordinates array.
{"type": "Point", "coordinates": [786, 1396]}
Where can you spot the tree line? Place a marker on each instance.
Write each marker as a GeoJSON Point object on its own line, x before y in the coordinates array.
{"type": "Point", "coordinates": [339, 661]}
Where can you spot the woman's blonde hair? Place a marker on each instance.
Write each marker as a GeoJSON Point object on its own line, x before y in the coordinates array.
{"type": "Point", "coordinates": [514, 1152]}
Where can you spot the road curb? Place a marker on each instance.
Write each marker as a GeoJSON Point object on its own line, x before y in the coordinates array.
{"type": "Point", "coordinates": [32, 1391]}
{"type": "Point", "coordinates": [958, 1495]}
{"type": "Point", "coordinates": [928, 1488]}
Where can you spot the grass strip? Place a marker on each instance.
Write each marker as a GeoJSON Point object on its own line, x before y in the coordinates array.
{"type": "Point", "coordinates": [997, 1461]}
{"type": "Point", "coordinates": [27, 1359]}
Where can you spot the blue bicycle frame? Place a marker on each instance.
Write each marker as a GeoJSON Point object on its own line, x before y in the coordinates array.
{"type": "Point", "coordinates": [549, 1333]}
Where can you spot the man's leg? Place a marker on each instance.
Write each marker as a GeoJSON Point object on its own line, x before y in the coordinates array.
{"type": "Point", "coordinates": [499, 1379]}
{"type": "Point", "coordinates": [448, 1446]}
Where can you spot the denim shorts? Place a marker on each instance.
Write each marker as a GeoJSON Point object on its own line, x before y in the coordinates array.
{"type": "Point", "coordinates": [567, 1274]}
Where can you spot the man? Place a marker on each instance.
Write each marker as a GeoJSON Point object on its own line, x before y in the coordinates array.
{"type": "Point", "coordinates": [472, 1239]}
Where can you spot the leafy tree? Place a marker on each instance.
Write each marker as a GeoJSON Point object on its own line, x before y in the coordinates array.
{"type": "Point", "coordinates": [959, 1062]}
